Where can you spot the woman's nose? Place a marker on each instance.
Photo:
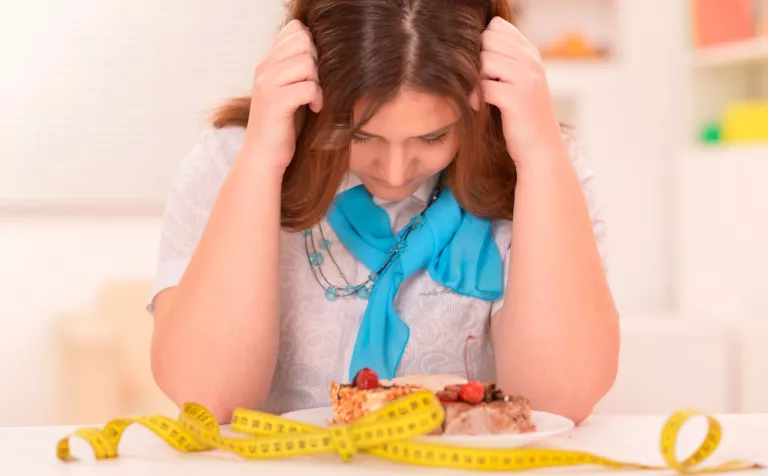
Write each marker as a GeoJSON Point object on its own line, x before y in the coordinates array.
{"type": "Point", "coordinates": [395, 167]}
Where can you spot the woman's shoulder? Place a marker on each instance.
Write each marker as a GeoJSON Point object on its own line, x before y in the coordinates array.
{"type": "Point", "coordinates": [214, 150]}
{"type": "Point", "coordinates": [202, 171]}
{"type": "Point", "coordinates": [578, 157]}
{"type": "Point", "coordinates": [219, 145]}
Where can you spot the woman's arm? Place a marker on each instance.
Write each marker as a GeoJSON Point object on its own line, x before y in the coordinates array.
{"type": "Point", "coordinates": [216, 333]}
{"type": "Point", "coordinates": [556, 337]}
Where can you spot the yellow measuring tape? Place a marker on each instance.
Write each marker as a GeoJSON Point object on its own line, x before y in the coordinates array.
{"type": "Point", "coordinates": [386, 433]}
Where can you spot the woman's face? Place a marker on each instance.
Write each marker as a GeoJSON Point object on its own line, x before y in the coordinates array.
{"type": "Point", "coordinates": [408, 140]}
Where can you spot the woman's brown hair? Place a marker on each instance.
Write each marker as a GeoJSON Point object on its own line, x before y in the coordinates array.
{"type": "Point", "coordinates": [373, 49]}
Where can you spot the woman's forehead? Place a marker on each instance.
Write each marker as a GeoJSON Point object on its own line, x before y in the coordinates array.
{"type": "Point", "coordinates": [409, 114]}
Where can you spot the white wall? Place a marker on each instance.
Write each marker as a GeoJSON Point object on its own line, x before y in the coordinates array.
{"type": "Point", "coordinates": [101, 98]}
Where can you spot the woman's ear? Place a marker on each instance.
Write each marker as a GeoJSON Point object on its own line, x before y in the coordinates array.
{"type": "Point", "coordinates": [474, 99]}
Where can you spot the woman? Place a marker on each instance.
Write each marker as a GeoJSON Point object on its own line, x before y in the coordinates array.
{"type": "Point", "coordinates": [396, 182]}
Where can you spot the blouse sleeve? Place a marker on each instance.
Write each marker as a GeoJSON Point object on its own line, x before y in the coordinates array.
{"type": "Point", "coordinates": [589, 186]}
{"type": "Point", "coordinates": [193, 193]}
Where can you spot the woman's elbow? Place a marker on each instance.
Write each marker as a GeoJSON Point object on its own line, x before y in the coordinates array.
{"type": "Point", "coordinates": [577, 410]}
{"type": "Point", "coordinates": [578, 415]}
{"type": "Point", "coordinates": [217, 402]}
{"type": "Point", "coordinates": [578, 398]}
{"type": "Point", "coordinates": [582, 408]}
{"type": "Point", "coordinates": [181, 388]}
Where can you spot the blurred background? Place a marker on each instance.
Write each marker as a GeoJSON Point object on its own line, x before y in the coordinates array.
{"type": "Point", "coordinates": [101, 100]}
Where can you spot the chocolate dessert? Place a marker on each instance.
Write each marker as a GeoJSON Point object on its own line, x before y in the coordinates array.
{"type": "Point", "coordinates": [496, 413]}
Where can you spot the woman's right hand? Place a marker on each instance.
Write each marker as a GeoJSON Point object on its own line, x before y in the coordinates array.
{"type": "Point", "coordinates": [286, 80]}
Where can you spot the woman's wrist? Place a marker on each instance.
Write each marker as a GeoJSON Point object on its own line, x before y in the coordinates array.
{"type": "Point", "coordinates": [543, 162]}
{"type": "Point", "coordinates": [261, 163]}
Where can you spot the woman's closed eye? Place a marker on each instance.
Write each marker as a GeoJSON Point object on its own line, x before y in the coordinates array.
{"type": "Point", "coordinates": [361, 139]}
{"type": "Point", "coordinates": [436, 139]}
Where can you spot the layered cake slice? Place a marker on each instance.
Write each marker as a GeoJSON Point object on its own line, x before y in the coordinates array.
{"type": "Point", "coordinates": [364, 395]}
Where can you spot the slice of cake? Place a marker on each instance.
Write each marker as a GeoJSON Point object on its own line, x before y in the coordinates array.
{"type": "Point", "coordinates": [471, 408]}
{"type": "Point", "coordinates": [351, 403]}
{"type": "Point", "coordinates": [366, 394]}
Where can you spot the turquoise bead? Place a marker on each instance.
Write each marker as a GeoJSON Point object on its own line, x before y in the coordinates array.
{"type": "Point", "coordinates": [325, 244]}
{"type": "Point", "coordinates": [331, 294]}
{"type": "Point", "coordinates": [349, 289]}
{"type": "Point", "coordinates": [418, 221]}
{"type": "Point", "coordinates": [373, 277]}
{"type": "Point", "coordinates": [316, 259]}
{"type": "Point", "coordinates": [306, 233]}
{"type": "Point", "coordinates": [363, 293]}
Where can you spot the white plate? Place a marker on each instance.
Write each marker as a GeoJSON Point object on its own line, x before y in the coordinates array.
{"type": "Point", "coordinates": [547, 425]}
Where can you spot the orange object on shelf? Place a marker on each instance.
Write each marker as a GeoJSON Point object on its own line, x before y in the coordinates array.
{"type": "Point", "coordinates": [571, 45]}
{"type": "Point", "coordinates": [716, 22]}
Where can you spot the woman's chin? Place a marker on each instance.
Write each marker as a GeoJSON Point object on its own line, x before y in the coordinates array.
{"type": "Point", "coordinates": [391, 194]}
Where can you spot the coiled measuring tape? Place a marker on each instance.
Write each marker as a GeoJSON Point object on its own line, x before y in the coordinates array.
{"type": "Point", "coordinates": [386, 433]}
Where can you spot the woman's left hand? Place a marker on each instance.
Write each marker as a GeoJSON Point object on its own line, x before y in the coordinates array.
{"type": "Point", "coordinates": [514, 80]}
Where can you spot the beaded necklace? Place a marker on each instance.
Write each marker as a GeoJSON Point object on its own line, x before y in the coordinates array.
{"type": "Point", "coordinates": [362, 290]}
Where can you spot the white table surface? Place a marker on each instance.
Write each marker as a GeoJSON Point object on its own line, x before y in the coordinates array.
{"type": "Point", "coordinates": [32, 450]}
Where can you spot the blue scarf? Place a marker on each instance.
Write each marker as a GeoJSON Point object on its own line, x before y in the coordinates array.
{"type": "Point", "coordinates": [456, 247]}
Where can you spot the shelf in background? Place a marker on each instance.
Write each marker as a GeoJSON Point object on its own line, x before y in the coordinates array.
{"type": "Point", "coordinates": [735, 152]}
{"type": "Point", "coordinates": [737, 53]}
